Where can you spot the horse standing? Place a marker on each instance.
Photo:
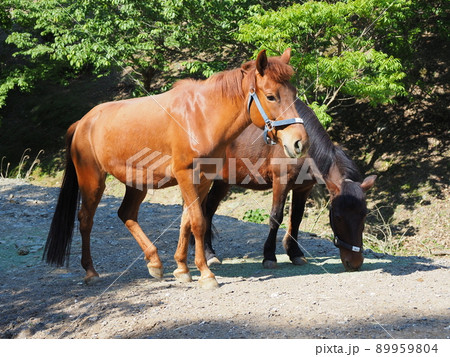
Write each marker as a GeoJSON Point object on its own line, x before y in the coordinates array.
{"type": "Point", "coordinates": [153, 142]}
{"type": "Point", "coordinates": [343, 180]}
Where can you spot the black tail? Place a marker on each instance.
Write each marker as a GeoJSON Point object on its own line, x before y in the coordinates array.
{"type": "Point", "coordinates": [57, 247]}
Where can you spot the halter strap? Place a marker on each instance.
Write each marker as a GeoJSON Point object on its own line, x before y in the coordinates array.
{"type": "Point", "coordinates": [340, 243]}
{"type": "Point", "coordinates": [269, 124]}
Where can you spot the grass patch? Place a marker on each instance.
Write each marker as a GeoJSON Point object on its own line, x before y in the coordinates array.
{"type": "Point", "coordinates": [25, 167]}
{"type": "Point", "coordinates": [256, 216]}
{"type": "Point", "coordinates": [380, 237]}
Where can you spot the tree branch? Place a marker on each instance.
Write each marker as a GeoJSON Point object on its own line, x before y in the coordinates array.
{"type": "Point", "coordinates": [336, 93]}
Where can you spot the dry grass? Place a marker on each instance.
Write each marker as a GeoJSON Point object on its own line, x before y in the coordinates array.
{"type": "Point", "coordinates": [24, 169]}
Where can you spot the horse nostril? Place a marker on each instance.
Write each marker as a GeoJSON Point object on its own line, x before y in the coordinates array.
{"type": "Point", "coordinates": [348, 266]}
{"type": "Point", "coordinates": [298, 147]}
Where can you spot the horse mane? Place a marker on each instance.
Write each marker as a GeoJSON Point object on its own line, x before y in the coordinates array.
{"type": "Point", "coordinates": [322, 150]}
{"type": "Point", "coordinates": [229, 82]}
{"type": "Point", "coordinates": [346, 166]}
{"type": "Point", "coordinates": [276, 70]}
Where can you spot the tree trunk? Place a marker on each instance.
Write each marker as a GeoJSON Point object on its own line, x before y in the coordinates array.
{"type": "Point", "coordinates": [147, 75]}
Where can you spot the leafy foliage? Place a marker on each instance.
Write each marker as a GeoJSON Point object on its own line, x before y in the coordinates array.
{"type": "Point", "coordinates": [59, 39]}
{"type": "Point", "coordinates": [335, 54]}
{"type": "Point", "coordinates": [255, 215]}
{"type": "Point", "coordinates": [62, 38]}
{"type": "Point", "coordinates": [399, 34]}
{"type": "Point", "coordinates": [343, 50]}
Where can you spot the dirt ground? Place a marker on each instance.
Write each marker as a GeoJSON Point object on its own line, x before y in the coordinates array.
{"type": "Point", "coordinates": [392, 296]}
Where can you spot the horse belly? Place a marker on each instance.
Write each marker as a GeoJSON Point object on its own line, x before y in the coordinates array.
{"type": "Point", "coordinates": [247, 175]}
{"type": "Point", "coordinates": [132, 145]}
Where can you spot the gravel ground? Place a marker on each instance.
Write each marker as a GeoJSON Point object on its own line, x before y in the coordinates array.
{"type": "Point", "coordinates": [392, 296]}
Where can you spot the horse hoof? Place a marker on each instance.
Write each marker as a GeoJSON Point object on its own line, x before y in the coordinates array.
{"type": "Point", "coordinates": [157, 273]}
{"type": "Point", "coordinates": [91, 279]}
{"type": "Point", "coordinates": [269, 264]}
{"type": "Point", "coordinates": [183, 277]}
{"type": "Point", "coordinates": [208, 283]}
{"type": "Point", "coordinates": [299, 261]}
{"type": "Point", "coordinates": [213, 261]}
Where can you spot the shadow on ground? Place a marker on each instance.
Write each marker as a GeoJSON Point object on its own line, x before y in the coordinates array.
{"type": "Point", "coordinates": [52, 302]}
{"type": "Point", "coordinates": [241, 329]}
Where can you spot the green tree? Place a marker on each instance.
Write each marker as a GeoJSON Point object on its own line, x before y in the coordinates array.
{"type": "Point", "coordinates": [59, 39]}
{"type": "Point", "coordinates": [336, 55]}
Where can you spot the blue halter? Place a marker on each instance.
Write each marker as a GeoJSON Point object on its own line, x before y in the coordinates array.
{"type": "Point", "coordinates": [269, 124]}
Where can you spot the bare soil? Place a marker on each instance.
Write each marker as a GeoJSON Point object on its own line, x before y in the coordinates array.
{"type": "Point", "coordinates": [392, 296]}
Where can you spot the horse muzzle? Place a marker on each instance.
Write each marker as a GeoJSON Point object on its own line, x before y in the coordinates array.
{"type": "Point", "coordinates": [352, 261]}
{"type": "Point", "coordinates": [294, 145]}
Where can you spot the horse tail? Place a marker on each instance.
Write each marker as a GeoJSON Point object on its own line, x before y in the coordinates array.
{"type": "Point", "coordinates": [57, 247]}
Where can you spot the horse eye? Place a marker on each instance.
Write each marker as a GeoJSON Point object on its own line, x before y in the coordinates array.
{"type": "Point", "coordinates": [271, 98]}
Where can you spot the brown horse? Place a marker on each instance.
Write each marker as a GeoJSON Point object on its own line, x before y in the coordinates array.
{"type": "Point", "coordinates": [152, 142]}
{"type": "Point", "coordinates": [325, 160]}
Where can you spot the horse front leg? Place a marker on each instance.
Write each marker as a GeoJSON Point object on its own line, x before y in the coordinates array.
{"type": "Point", "coordinates": [279, 195]}
{"type": "Point", "coordinates": [193, 221]}
{"type": "Point", "coordinates": [290, 240]}
{"type": "Point", "coordinates": [182, 273]}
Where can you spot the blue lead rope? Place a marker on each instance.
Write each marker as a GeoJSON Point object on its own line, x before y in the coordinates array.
{"type": "Point", "coordinates": [270, 124]}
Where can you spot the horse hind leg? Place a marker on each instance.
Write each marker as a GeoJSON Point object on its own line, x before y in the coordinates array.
{"type": "Point", "coordinates": [128, 213]}
{"type": "Point", "coordinates": [92, 185]}
{"type": "Point", "coordinates": [216, 194]}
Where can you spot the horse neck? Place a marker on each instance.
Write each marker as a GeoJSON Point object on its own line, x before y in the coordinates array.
{"type": "Point", "coordinates": [236, 126]}
{"type": "Point", "coordinates": [346, 166]}
{"type": "Point", "coordinates": [232, 117]}
{"type": "Point", "coordinates": [325, 154]}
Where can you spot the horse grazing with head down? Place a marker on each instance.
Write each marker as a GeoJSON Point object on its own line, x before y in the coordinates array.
{"type": "Point", "coordinates": [340, 174]}
{"type": "Point", "coordinates": [153, 142]}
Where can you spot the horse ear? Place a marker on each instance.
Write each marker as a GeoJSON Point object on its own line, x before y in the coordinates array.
{"type": "Point", "coordinates": [332, 187]}
{"type": "Point", "coordinates": [261, 62]}
{"type": "Point", "coordinates": [333, 180]}
{"type": "Point", "coordinates": [368, 182]}
{"type": "Point", "coordinates": [286, 56]}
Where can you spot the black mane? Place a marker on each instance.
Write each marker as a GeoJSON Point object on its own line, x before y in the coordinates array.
{"type": "Point", "coordinates": [322, 150]}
